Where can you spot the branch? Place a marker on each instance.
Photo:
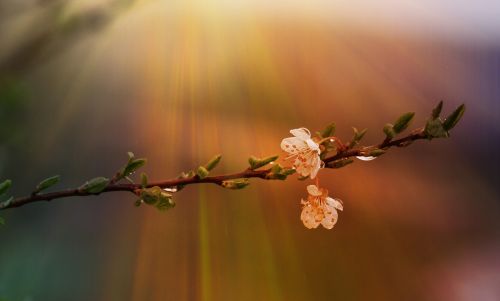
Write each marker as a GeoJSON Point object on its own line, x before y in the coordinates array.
{"type": "Point", "coordinates": [134, 188]}
{"type": "Point", "coordinates": [418, 134]}
{"type": "Point", "coordinates": [332, 152]}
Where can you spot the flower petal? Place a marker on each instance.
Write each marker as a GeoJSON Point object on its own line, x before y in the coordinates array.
{"type": "Point", "coordinates": [315, 166]}
{"type": "Point", "coordinates": [330, 217]}
{"type": "Point", "coordinates": [301, 169]}
{"type": "Point", "coordinates": [308, 217]}
{"type": "Point", "coordinates": [339, 205]}
{"type": "Point", "coordinates": [335, 203]}
{"type": "Point", "coordinates": [312, 145]}
{"type": "Point", "coordinates": [301, 133]}
{"type": "Point", "coordinates": [293, 145]}
{"type": "Point", "coordinates": [313, 190]}
{"type": "Point", "coordinates": [307, 164]}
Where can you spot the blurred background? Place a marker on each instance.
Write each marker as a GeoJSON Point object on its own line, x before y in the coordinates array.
{"type": "Point", "coordinates": [83, 82]}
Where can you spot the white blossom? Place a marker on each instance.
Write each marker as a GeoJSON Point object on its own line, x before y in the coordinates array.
{"type": "Point", "coordinates": [319, 208]}
{"type": "Point", "coordinates": [304, 152]}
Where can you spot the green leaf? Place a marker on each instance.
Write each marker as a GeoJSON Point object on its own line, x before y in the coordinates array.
{"type": "Point", "coordinates": [157, 197]}
{"type": "Point", "coordinates": [144, 179]}
{"type": "Point", "coordinates": [276, 169]}
{"type": "Point", "coordinates": [213, 162]}
{"type": "Point", "coordinates": [202, 172]}
{"type": "Point", "coordinates": [253, 161]}
{"type": "Point", "coordinates": [454, 118]}
{"type": "Point", "coordinates": [434, 129]}
{"type": "Point", "coordinates": [165, 203]}
{"type": "Point", "coordinates": [6, 203]}
{"type": "Point", "coordinates": [95, 185]}
{"type": "Point", "coordinates": [276, 176]}
{"type": "Point", "coordinates": [150, 195]}
{"type": "Point", "coordinates": [339, 163]}
{"type": "Point", "coordinates": [235, 184]}
{"type": "Point", "coordinates": [437, 110]}
{"type": "Point", "coordinates": [389, 131]}
{"type": "Point", "coordinates": [289, 171]}
{"type": "Point", "coordinates": [328, 131]}
{"type": "Point", "coordinates": [4, 186]}
{"type": "Point", "coordinates": [48, 182]}
{"type": "Point", "coordinates": [2, 221]}
{"type": "Point", "coordinates": [186, 175]}
{"type": "Point", "coordinates": [377, 152]}
{"type": "Point", "coordinates": [403, 122]}
{"type": "Point", "coordinates": [358, 135]}
{"type": "Point", "coordinates": [434, 126]}
{"type": "Point", "coordinates": [279, 173]}
{"type": "Point", "coordinates": [132, 166]}
{"type": "Point", "coordinates": [259, 162]}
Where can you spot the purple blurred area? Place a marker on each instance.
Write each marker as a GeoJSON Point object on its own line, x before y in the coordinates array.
{"type": "Point", "coordinates": [82, 83]}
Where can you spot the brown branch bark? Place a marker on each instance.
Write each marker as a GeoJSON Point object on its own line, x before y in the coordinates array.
{"type": "Point", "coordinates": [262, 174]}
{"type": "Point", "coordinates": [362, 151]}
{"type": "Point", "coordinates": [134, 187]}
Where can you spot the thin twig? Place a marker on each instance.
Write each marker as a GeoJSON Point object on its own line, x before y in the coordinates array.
{"type": "Point", "coordinates": [386, 144]}
{"type": "Point", "coordinates": [172, 183]}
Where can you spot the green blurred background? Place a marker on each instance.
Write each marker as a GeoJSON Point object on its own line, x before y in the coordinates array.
{"type": "Point", "coordinates": [83, 82]}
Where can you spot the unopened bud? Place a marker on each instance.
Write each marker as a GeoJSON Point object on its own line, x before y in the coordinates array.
{"type": "Point", "coordinates": [259, 162]}
{"type": "Point", "coordinates": [202, 172]}
{"type": "Point", "coordinates": [389, 131]}
{"type": "Point", "coordinates": [403, 121]}
{"type": "Point", "coordinates": [235, 184]}
{"type": "Point", "coordinates": [213, 162]}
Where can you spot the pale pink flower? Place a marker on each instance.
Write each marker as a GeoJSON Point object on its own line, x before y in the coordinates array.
{"type": "Point", "coordinates": [304, 151]}
{"type": "Point", "coordinates": [319, 208]}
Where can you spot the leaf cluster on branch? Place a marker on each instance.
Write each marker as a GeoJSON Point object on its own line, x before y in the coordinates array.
{"type": "Point", "coordinates": [305, 155]}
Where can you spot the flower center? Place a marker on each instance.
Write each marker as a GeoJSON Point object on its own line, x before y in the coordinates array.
{"type": "Point", "coordinates": [301, 155]}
